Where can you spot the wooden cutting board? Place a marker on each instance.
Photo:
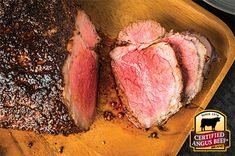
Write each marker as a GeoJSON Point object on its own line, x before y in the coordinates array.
{"type": "Point", "coordinates": [119, 137]}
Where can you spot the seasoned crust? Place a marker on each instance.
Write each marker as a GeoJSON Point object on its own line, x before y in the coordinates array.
{"type": "Point", "coordinates": [33, 42]}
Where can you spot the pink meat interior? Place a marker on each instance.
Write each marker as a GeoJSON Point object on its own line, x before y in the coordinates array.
{"type": "Point", "coordinates": [80, 73]}
{"type": "Point", "coordinates": [148, 82]}
{"type": "Point", "coordinates": [87, 29]}
{"type": "Point", "coordinates": [186, 54]}
{"type": "Point", "coordinates": [83, 75]}
{"type": "Point", "coordinates": [142, 32]}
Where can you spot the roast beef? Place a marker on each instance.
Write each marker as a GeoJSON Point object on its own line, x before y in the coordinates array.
{"type": "Point", "coordinates": [141, 33]}
{"type": "Point", "coordinates": [35, 88]}
{"type": "Point", "coordinates": [153, 68]}
{"type": "Point", "coordinates": [149, 77]}
{"type": "Point", "coordinates": [80, 72]}
{"type": "Point", "coordinates": [211, 55]}
{"type": "Point", "coordinates": [191, 55]}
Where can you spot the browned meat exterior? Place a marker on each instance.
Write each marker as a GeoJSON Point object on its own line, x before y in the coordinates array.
{"type": "Point", "coordinates": [33, 41]}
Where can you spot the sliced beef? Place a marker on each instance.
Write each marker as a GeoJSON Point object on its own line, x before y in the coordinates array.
{"type": "Point", "coordinates": [141, 32]}
{"type": "Point", "coordinates": [153, 68]}
{"type": "Point", "coordinates": [86, 30]}
{"type": "Point", "coordinates": [150, 80]}
{"type": "Point", "coordinates": [210, 51]}
{"type": "Point", "coordinates": [80, 73]}
{"type": "Point", "coordinates": [191, 55]}
{"type": "Point", "coordinates": [33, 40]}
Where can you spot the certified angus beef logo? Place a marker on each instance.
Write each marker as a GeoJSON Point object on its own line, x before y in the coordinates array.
{"type": "Point", "coordinates": [210, 132]}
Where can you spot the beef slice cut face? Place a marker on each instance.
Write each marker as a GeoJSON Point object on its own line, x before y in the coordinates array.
{"type": "Point", "coordinates": [141, 32]}
{"type": "Point", "coordinates": [80, 73]}
{"type": "Point", "coordinates": [211, 54]}
{"type": "Point", "coordinates": [151, 81]}
{"type": "Point", "coordinates": [86, 29]}
{"type": "Point", "coordinates": [190, 54]}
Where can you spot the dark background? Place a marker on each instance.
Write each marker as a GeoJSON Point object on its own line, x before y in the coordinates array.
{"type": "Point", "coordinates": [224, 98]}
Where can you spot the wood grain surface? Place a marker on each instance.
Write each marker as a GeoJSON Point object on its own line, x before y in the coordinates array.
{"type": "Point", "coordinates": [119, 137]}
